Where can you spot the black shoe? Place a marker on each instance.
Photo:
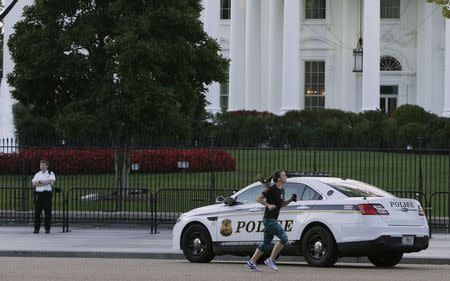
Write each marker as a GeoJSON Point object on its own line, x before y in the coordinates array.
{"type": "Point", "coordinates": [47, 231]}
{"type": "Point", "coordinates": [36, 231]}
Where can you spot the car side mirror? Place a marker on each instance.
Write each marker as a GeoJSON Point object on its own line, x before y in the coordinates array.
{"type": "Point", "coordinates": [229, 201]}
{"type": "Point", "coordinates": [220, 199]}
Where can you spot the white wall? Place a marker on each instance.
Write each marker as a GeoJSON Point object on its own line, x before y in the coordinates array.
{"type": "Point", "coordinates": [6, 102]}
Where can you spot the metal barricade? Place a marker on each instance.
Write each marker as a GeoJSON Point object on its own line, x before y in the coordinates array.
{"type": "Point", "coordinates": [172, 202]}
{"type": "Point", "coordinates": [109, 205]}
{"type": "Point", "coordinates": [17, 206]}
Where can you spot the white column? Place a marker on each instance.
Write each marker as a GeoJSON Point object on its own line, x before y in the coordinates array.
{"type": "Point", "coordinates": [291, 58]}
{"type": "Point", "coordinates": [236, 99]}
{"type": "Point", "coordinates": [446, 111]}
{"type": "Point", "coordinates": [425, 65]}
{"type": "Point", "coordinates": [6, 102]}
{"type": "Point", "coordinates": [275, 55]}
{"type": "Point", "coordinates": [371, 63]}
{"type": "Point", "coordinates": [253, 55]}
{"type": "Point", "coordinates": [265, 26]}
{"type": "Point", "coordinates": [211, 17]}
{"type": "Point", "coordinates": [345, 94]}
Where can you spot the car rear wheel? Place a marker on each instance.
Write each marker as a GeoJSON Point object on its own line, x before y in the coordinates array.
{"type": "Point", "coordinates": [197, 245]}
{"type": "Point", "coordinates": [319, 248]}
{"type": "Point", "coordinates": [386, 259]}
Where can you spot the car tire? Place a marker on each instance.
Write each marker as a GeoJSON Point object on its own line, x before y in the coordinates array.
{"type": "Point", "coordinates": [319, 248]}
{"type": "Point", "coordinates": [197, 245]}
{"type": "Point", "coordinates": [385, 259]}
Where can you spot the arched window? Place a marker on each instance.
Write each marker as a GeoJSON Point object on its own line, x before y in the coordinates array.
{"type": "Point", "coordinates": [388, 63]}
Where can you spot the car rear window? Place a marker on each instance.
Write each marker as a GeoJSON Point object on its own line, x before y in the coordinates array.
{"type": "Point", "coordinates": [356, 189]}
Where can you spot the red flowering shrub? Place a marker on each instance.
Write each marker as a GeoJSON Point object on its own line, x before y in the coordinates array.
{"type": "Point", "coordinates": [199, 160]}
{"type": "Point", "coordinates": [101, 160]}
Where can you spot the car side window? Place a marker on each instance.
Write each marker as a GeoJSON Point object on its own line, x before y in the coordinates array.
{"type": "Point", "coordinates": [249, 196]}
{"type": "Point", "coordinates": [311, 194]}
{"type": "Point", "coordinates": [291, 188]}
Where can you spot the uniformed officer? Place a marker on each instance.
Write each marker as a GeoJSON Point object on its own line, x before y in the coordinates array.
{"type": "Point", "coordinates": [43, 181]}
{"type": "Point", "coordinates": [273, 199]}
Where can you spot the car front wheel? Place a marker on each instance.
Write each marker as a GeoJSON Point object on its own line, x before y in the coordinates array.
{"type": "Point", "coordinates": [319, 248]}
{"type": "Point", "coordinates": [197, 245]}
{"type": "Point", "coordinates": [386, 259]}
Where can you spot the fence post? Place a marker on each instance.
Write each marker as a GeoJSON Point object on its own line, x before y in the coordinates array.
{"type": "Point", "coordinates": [66, 210]}
{"type": "Point", "coordinates": [25, 185]}
{"type": "Point", "coordinates": [420, 140]}
{"type": "Point", "coordinates": [152, 217]}
{"type": "Point", "coordinates": [212, 169]}
{"type": "Point", "coordinates": [155, 212]}
{"type": "Point", "coordinates": [315, 144]}
{"type": "Point", "coordinates": [448, 194]}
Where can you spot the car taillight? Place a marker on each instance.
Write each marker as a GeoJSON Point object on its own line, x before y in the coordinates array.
{"type": "Point", "coordinates": [373, 209]}
{"type": "Point", "coordinates": [421, 213]}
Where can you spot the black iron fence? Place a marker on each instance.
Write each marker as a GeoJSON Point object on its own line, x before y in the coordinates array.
{"type": "Point", "coordinates": [140, 206]}
{"type": "Point", "coordinates": [109, 205]}
{"type": "Point", "coordinates": [17, 206]}
{"type": "Point", "coordinates": [202, 167]}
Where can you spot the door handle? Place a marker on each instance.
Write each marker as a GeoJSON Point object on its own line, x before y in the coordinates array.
{"type": "Point", "coordinates": [254, 209]}
{"type": "Point", "coordinates": [302, 208]}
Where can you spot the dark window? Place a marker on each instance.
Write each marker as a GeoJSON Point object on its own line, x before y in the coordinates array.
{"type": "Point", "coordinates": [249, 196]}
{"type": "Point", "coordinates": [314, 85]}
{"type": "Point", "coordinates": [225, 9]}
{"type": "Point", "coordinates": [388, 63]}
{"type": "Point", "coordinates": [315, 9]}
{"type": "Point", "coordinates": [291, 188]}
{"type": "Point", "coordinates": [390, 9]}
{"type": "Point", "coordinates": [310, 194]}
{"type": "Point", "coordinates": [388, 98]}
{"type": "Point", "coordinates": [224, 93]}
{"type": "Point", "coordinates": [389, 90]}
{"type": "Point", "coordinates": [353, 190]}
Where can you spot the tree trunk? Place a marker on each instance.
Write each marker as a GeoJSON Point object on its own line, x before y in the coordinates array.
{"type": "Point", "coordinates": [122, 152]}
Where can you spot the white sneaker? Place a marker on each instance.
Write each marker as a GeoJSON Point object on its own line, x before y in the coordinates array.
{"type": "Point", "coordinates": [251, 265]}
{"type": "Point", "coordinates": [271, 263]}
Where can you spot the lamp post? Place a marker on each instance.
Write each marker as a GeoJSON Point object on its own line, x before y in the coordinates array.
{"type": "Point", "coordinates": [358, 56]}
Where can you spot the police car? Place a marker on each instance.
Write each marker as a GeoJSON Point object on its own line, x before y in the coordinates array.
{"type": "Point", "coordinates": [332, 218]}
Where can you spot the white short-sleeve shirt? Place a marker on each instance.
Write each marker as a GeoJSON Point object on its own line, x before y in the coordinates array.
{"type": "Point", "coordinates": [44, 176]}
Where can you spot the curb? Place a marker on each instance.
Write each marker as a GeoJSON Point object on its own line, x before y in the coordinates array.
{"type": "Point", "coordinates": [170, 256]}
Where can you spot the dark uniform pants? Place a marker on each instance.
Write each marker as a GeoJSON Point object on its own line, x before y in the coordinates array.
{"type": "Point", "coordinates": [43, 202]}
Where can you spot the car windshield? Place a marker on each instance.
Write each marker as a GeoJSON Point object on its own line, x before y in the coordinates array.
{"type": "Point", "coordinates": [357, 189]}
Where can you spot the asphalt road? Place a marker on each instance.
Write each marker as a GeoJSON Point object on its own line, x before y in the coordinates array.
{"type": "Point", "coordinates": [74, 269]}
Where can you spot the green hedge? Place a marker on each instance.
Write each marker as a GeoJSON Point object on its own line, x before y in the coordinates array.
{"type": "Point", "coordinates": [305, 128]}
{"type": "Point", "coordinates": [333, 128]}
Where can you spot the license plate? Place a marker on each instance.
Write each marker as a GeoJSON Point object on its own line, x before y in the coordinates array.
{"type": "Point", "coordinates": [408, 240]}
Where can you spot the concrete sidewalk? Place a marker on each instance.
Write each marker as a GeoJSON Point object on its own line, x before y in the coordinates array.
{"type": "Point", "coordinates": [133, 242]}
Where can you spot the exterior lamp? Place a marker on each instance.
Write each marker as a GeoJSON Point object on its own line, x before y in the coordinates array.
{"type": "Point", "coordinates": [358, 56]}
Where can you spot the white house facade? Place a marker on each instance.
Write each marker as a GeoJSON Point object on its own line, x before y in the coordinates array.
{"type": "Point", "coordinates": [300, 54]}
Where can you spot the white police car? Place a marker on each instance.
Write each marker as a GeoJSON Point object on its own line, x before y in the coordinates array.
{"type": "Point", "coordinates": [332, 218]}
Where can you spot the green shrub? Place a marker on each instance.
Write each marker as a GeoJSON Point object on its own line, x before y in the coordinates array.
{"type": "Point", "coordinates": [389, 132]}
{"type": "Point", "coordinates": [32, 127]}
{"type": "Point", "coordinates": [409, 134]}
{"type": "Point", "coordinates": [412, 113]}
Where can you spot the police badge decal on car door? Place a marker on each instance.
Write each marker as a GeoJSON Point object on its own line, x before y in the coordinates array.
{"type": "Point", "coordinates": [226, 228]}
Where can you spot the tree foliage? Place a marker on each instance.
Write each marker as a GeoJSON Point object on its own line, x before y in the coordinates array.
{"type": "Point", "coordinates": [445, 6]}
{"type": "Point", "coordinates": [115, 68]}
